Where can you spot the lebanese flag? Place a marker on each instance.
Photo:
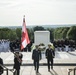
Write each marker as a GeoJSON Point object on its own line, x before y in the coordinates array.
{"type": "Point", "coordinates": [25, 39]}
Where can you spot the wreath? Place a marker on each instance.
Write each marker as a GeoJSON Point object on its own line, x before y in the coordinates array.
{"type": "Point", "coordinates": [42, 47]}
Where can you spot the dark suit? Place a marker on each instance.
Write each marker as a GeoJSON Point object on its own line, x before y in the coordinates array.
{"type": "Point", "coordinates": [50, 55]}
{"type": "Point", "coordinates": [1, 69]}
{"type": "Point", "coordinates": [36, 56]}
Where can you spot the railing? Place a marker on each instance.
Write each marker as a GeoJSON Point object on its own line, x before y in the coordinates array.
{"type": "Point", "coordinates": [6, 69]}
{"type": "Point", "coordinates": [72, 70]}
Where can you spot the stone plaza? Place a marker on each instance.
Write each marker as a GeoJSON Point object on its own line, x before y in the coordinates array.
{"type": "Point", "coordinates": [63, 61]}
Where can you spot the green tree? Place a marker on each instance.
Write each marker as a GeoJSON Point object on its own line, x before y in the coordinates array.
{"type": "Point", "coordinates": [18, 32]}
{"type": "Point", "coordinates": [12, 35]}
{"type": "Point", "coordinates": [37, 28]}
{"type": "Point", "coordinates": [61, 33]}
{"type": "Point", "coordinates": [4, 33]}
{"type": "Point", "coordinates": [51, 30]}
{"type": "Point", "coordinates": [64, 33]}
{"type": "Point", "coordinates": [72, 33]}
{"type": "Point", "coordinates": [31, 34]}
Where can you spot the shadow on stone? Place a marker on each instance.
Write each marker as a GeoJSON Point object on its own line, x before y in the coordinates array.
{"type": "Point", "coordinates": [55, 72]}
{"type": "Point", "coordinates": [51, 73]}
{"type": "Point", "coordinates": [38, 73]}
{"type": "Point", "coordinates": [72, 54]}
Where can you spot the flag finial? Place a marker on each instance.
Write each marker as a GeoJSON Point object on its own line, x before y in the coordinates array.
{"type": "Point", "coordinates": [24, 16]}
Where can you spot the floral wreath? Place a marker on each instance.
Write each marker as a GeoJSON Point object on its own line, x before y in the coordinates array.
{"type": "Point", "coordinates": [42, 46]}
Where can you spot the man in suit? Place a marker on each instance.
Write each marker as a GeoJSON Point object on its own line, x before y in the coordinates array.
{"type": "Point", "coordinates": [1, 68]}
{"type": "Point", "coordinates": [17, 62]}
{"type": "Point", "coordinates": [36, 56]}
{"type": "Point", "coordinates": [50, 54]}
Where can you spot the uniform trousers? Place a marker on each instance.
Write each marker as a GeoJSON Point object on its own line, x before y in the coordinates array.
{"type": "Point", "coordinates": [36, 65]}
{"type": "Point", "coordinates": [48, 61]}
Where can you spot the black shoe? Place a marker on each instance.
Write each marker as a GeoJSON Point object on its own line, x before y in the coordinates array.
{"type": "Point", "coordinates": [37, 71]}
{"type": "Point", "coordinates": [48, 70]}
{"type": "Point", "coordinates": [34, 68]}
{"type": "Point", "coordinates": [51, 67]}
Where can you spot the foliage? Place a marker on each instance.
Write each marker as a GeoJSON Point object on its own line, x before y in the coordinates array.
{"type": "Point", "coordinates": [61, 33]}
{"type": "Point", "coordinates": [57, 33]}
{"type": "Point", "coordinates": [72, 33]}
{"type": "Point", "coordinates": [37, 28]}
{"type": "Point", "coordinates": [18, 32]}
{"type": "Point", "coordinates": [12, 35]}
{"type": "Point", "coordinates": [4, 33]}
{"type": "Point", "coordinates": [51, 30]}
{"type": "Point", "coordinates": [31, 34]}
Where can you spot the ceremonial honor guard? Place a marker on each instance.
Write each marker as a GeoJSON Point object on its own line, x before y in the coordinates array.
{"type": "Point", "coordinates": [1, 68]}
{"type": "Point", "coordinates": [17, 62]}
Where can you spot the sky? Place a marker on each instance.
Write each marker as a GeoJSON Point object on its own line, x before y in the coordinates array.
{"type": "Point", "coordinates": [37, 12]}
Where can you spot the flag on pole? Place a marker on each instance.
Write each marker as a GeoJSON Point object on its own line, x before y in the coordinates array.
{"type": "Point", "coordinates": [25, 39]}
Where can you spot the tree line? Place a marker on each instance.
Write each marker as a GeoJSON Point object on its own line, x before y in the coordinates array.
{"type": "Point", "coordinates": [65, 32]}
{"type": "Point", "coordinates": [55, 33]}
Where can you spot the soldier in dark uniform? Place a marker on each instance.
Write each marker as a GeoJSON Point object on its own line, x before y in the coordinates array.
{"type": "Point", "coordinates": [17, 62]}
{"type": "Point", "coordinates": [55, 45]}
{"type": "Point", "coordinates": [50, 54]}
{"type": "Point", "coordinates": [11, 46]}
{"type": "Point", "coordinates": [67, 44]}
{"type": "Point", "coordinates": [1, 68]}
{"type": "Point", "coordinates": [17, 45]}
{"type": "Point", "coordinates": [62, 44]}
{"type": "Point", "coordinates": [36, 56]}
{"type": "Point", "coordinates": [73, 45]}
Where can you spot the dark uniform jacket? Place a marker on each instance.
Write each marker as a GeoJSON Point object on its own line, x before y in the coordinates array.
{"type": "Point", "coordinates": [36, 55]}
{"type": "Point", "coordinates": [50, 54]}
{"type": "Point", "coordinates": [1, 69]}
{"type": "Point", "coordinates": [66, 42]}
{"type": "Point", "coordinates": [17, 63]}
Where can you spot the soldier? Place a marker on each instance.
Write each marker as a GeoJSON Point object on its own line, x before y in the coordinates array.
{"type": "Point", "coordinates": [1, 68]}
{"type": "Point", "coordinates": [36, 56]}
{"type": "Point", "coordinates": [67, 44]}
{"type": "Point", "coordinates": [17, 62]}
{"type": "Point", "coordinates": [55, 45]}
{"type": "Point", "coordinates": [50, 55]}
{"type": "Point", "coordinates": [62, 44]}
{"type": "Point", "coordinates": [12, 45]}
{"type": "Point", "coordinates": [17, 44]}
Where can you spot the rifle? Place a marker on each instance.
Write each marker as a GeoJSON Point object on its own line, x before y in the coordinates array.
{"type": "Point", "coordinates": [18, 57]}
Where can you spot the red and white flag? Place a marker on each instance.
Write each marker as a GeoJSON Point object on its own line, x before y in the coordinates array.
{"type": "Point", "coordinates": [25, 39]}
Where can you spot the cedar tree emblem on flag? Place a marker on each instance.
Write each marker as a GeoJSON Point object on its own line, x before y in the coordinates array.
{"type": "Point", "coordinates": [25, 39]}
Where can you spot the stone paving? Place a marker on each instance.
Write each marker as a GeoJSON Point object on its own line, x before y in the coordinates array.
{"type": "Point", "coordinates": [27, 69]}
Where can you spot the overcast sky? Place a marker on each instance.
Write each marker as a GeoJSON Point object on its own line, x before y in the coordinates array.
{"type": "Point", "coordinates": [37, 12]}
